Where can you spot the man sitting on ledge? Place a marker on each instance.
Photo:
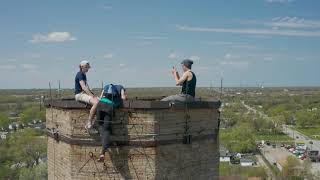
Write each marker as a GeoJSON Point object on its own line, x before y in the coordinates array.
{"type": "Point", "coordinates": [83, 92]}
{"type": "Point", "coordinates": [188, 82]}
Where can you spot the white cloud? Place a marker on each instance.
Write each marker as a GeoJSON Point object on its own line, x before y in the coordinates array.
{"type": "Point", "coordinates": [29, 67]}
{"type": "Point", "coordinates": [53, 37]}
{"type": "Point", "coordinates": [293, 22]}
{"type": "Point", "coordinates": [230, 56]}
{"type": "Point", "coordinates": [234, 63]}
{"type": "Point", "coordinates": [268, 59]}
{"type": "Point", "coordinates": [106, 7]}
{"type": "Point", "coordinates": [173, 55]}
{"type": "Point", "coordinates": [144, 43]}
{"type": "Point", "coordinates": [147, 40]}
{"type": "Point", "coordinates": [122, 65]}
{"type": "Point", "coordinates": [252, 31]}
{"type": "Point", "coordinates": [149, 37]}
{"type": "Point", "coordinates": [279, 1]}
{"type": "Point", "coordinates": [35, 56]}
{"type": "Point", "coordinates": [8, 67]}
{"type": "Point", "coordinates": [108, 56]}
{"type": "Point", "coordinates": [195, 58]}
{"type": "Point", "coordinates": [230, 44]}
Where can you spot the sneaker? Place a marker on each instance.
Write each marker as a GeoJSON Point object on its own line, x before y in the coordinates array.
{"type": "Point", "coordinates": [93, 131]}
{"type": "Point", "coordinates": [90, 129]}
{"type": "Point", "coordinates": [88, 126]}
{"type": "Point", "coordinates": [101, 158]}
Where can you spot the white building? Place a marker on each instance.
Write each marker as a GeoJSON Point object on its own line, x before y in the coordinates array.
{"type": "Point", "coordinates": [3, 136]}
{"type": "Point", "coordinates": [246, 162]}
{"type": "Point", "coordinates": [224, 154]}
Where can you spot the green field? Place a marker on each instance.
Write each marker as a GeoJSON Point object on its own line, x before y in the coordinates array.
{"type": "Point", "coordinates": [273, 137]}
{"type": "Point", "coordinates": [312, 132]}
{"type": "Point", "coordinates": [227, 169]}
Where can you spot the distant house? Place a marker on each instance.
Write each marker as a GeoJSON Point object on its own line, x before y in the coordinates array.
{"type": "Point", "coordinates": [11, 127]}
{"type": "Point", "coordinates": [14, 116]}
{"type": "Point", "coordinates": [3, 136]}
{"type": "Point", "coordinates": [39, 126]}
{"type": "Point", "coordinates": [18, 126]}
{"type": "Point", "coordinates": [246, 162]}
{"type": "Point", "coordinates": [18, 165]}
{"type": "Point", "coordinates": [225, 155]}
{"type": "Point", "coordinates": [43, 159]}
{"type": "Point", "coordinates": [36, 121]}
{"type": "Point", "coordinates": [14, 126]}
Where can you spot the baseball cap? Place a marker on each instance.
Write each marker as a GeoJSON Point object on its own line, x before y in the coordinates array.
{"type": "Point", "coordinates": [187, 62]}
{"type": "Point", "coordinates": [84, 62]}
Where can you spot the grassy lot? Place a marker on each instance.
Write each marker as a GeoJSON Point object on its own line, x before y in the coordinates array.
{"type": "Point", "coordinates": [227, 169]}
{"type": "Point", "coordinates": [266, 137]}
{"type": "Point", "coordinates": [273, 137]}
{"type": "Point", "coordinates": [312, 132]}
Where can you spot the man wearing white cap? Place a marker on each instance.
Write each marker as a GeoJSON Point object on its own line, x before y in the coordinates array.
{"type": "Point", "coordinates": [83, 92]}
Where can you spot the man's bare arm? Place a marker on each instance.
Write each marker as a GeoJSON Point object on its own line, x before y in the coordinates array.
{"type": "Point", "coordinates": [123, 94]}
{"type": "Point", "coordinates": [101, 93]}
{"type": "Point", "coordinates": [175, 75]}
{"type": "Point", "coordinates": [85, 88]}
{"type": "Point", "coordinates": [180, 81]}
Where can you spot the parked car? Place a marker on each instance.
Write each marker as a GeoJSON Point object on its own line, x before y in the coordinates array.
{"type": "Point", "coordinates": [268, 143]}
{"type": "Point", "coordinates": [303, 157]}
{"type": "Point", "coordinates": [260, 146]}
{"type": "Point", "coordinates": [292, 149]}
{"type": "Point", "coordinates": [314, 156]}
{"type": "Point", "coordinates": [234, 160]}
{"type": "Point", "coordinates": [289, 146]}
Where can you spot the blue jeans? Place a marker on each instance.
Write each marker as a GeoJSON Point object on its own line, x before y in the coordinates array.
{"type": "Point", "coordinates": [103, 124]}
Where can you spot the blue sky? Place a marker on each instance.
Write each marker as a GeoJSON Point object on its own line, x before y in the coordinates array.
{"type": "Point", "coordinates": [135, 43]}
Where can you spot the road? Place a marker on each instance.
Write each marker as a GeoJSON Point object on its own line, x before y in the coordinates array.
{"type": "Point", "coordinates": [260, 113]}
{"type": "Point", "coordinates": [301, 137]}
{"type": "Point", "coordinates": [275, 155]}
{"type": "Point", "coordinates": [287, 130]}
{"type": "Point", "coordinates": [265, 166]}
{"type": "Point", "coordinates": [292, 133]}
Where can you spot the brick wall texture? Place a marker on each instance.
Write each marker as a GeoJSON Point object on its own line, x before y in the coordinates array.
{"type": "Point", "coordinates": [174, 160]}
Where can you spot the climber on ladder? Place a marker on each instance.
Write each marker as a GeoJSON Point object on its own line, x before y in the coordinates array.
{"type": "Point", "coordinates": [112, 97]}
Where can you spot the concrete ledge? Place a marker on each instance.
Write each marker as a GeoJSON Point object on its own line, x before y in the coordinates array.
{"type": "Point", "coordinates": [135, 104]}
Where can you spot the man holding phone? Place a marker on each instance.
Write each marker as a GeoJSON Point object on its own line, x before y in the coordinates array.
{"type": "Point", "coordinates": [188, 82]}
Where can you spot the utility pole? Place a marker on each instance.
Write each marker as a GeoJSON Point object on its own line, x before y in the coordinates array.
{"type": "Point", "coordinates": [211, 88]}
{"type": "Point", "coordinates": [59, 95]}
{"type": "Point", "coordinates": [221, 88]}
{"type": "Point", "coordinates": [50, 93]}
{"type": "Point", "coordinates": [40, 102]}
